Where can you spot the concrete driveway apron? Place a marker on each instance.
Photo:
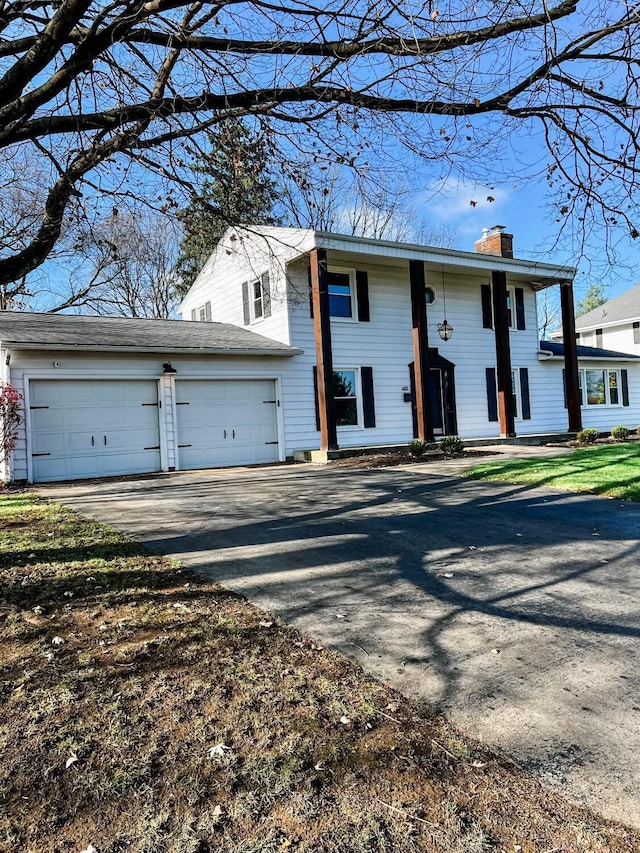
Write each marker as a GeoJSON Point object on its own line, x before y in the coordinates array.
{"type": "Point", "coordinates": [515, 610]}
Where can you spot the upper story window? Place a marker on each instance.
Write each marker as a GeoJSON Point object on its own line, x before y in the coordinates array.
{"type": "Point", "coordinates": [341, 294]}
{"type": "Point", "coordinates": [348, 292]}
{"type": "Point", "coordinates": [515, 307]}
{"type": "Point", "coordinates": [429, 295]}
{"type": "Point", "coordinates": [202, 313]}
{"type": "Point", "coordinates": [636, 333]}
{"type": "Point", "coordinates": [256, 299]}
{"type": "Point", "coordinates": [599, 338]}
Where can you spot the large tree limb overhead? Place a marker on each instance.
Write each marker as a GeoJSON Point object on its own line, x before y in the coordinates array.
{"type": "Point", "coordinates": [337, 49]}
{"type": "Point", "coordinates": [85, 84]}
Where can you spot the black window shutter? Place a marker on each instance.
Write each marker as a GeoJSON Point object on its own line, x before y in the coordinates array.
{"type": "Point", "coordinates": [266, 295]}
{"type": "Point", "coordinates": [492, 394]}
{"type": "Point", "coordinates": [487, 313]}
{"type": "Point", "coordinates": [245, 303]}
{"type": "Point", "coordinates": [520, 321]}
{"type": "Point", "coordinates": [625, 387]}
{"type": "Point", "coordinates": [310, 292]}
{"type": "Point", "coordinates": [362, 291]}
{"type": "Point", "coordinates": [524, 393]}
{"type": "Point", "coordinates": [564, 386]}
{"type": "Point", "coordinates": [315, 397]}
{"type": "Point", "coordinates": [207, 311]}
{"type": "Point", "coordinates": [368, 401]}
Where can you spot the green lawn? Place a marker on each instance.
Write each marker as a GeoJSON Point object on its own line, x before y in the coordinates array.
{"type": "Point", "coordinates": [613, 470]}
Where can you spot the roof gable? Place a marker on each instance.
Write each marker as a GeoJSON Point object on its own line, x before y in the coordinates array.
{"type": "Point", "coordinates": [623, 309]}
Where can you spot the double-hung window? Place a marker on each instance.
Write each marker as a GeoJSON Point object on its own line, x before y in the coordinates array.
{"type": "Point", "coordinates": [256, 299]}
{"type": "Point", "coordinates": [516, 308]}
{"type": "Point", "coordinates": [600, 387]}
{"type": "Point", "coordinates": [202, 313]}
{"type": "Point", "coordinates": [341, 294]}
{"type": "Point", "coordinates": [345, 395]}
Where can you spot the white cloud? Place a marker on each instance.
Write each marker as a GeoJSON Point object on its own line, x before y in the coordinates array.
{"type": "Point", "coordinates": [470, 206]}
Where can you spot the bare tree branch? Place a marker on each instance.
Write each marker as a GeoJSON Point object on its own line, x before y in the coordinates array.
{"type": "Point", "coordinates": [101, 94]}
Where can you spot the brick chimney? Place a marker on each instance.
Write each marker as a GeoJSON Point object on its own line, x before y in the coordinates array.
{"type": "Point", "coordinates": [495, 241]}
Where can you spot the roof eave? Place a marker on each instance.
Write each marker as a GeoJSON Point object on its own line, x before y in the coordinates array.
{"type": "Point", "coordinates": [550, 273]}
{"type": "Point", "coordinates": [602, 324]}
{"type": "Point", "coordinates": [548, 356]}
{"type": "Point", "coordinates": [286, 352]}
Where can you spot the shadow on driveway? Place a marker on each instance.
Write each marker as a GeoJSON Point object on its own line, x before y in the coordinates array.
{"type": "Point", "coordinates": [515, 610]}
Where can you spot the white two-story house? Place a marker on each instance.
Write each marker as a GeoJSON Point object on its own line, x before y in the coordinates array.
{"type": "Point", "coordinates": [298, 342]}
{"type": "Point", "coordinates": [401, 340]}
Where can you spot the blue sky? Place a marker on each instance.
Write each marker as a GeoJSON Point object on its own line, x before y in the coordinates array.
{"type": "Point", "coordinates": [524, 210]}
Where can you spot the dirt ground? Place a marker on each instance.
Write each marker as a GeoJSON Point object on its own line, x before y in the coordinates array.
{"type": "Point", "coordinates": [512, 609]}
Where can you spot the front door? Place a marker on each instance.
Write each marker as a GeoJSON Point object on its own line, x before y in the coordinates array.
{"type": "Point", "coordinates": [435, 400]}
{"type": "Point", "coordinates": [442, 396]}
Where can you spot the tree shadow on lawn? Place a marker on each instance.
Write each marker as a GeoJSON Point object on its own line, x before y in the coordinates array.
{"type": "Point", "coordinates": [581, 464]}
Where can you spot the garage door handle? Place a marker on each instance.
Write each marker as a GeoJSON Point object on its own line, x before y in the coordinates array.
{"type": "Point", "coordinates": [105, 440]}
{"type": "Point", "coordinates": [225, 433]}
{"type": "Point", "coordinates": [234, 433]}
{"type": "Point", "coordinates": [93, 441]}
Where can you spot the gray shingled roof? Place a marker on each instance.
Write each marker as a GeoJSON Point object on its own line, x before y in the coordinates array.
{"type": "Point", "coordinates": [124, 334]}
{"type": "Point", "coordinates": [557, 349]}
{"type": "Point", "coordinates": [625, 307]}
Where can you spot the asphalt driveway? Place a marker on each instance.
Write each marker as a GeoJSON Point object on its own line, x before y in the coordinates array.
{"type": "Point", "coordinates": [515, 610]}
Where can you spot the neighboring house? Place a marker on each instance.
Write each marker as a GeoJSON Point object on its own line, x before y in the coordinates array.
{"type": "Point", "coordinates": [614, 325]}
{"type": "Point", "coordinates": [319, 341]}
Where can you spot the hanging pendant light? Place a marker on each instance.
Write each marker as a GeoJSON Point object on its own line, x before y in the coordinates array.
{"type": "Point", "coordinates": [445, 329]}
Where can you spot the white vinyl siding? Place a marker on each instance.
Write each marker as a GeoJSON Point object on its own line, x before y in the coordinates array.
{"type": "Point", "coordinates": [238, 262]}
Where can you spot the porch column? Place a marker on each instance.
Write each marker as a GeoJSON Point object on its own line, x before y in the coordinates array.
{"type": "Point", "coordinates": [324, 357]}
{"type": "Point", "coordinates": [420, 350]}
{"type": "Point", "coordinates": [503, 354]}
{"type": "Point", "coordinates": [570, 356]}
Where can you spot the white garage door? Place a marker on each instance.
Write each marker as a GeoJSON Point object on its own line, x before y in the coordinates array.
{"type": "Point", "coordinates": [98, 428]}
{"type": "Point", "coordinates": [226, 422]}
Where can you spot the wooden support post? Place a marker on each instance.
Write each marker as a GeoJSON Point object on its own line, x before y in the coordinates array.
{"type": "Point", "coordinates": [420, 350]}
{"type": "Point", "coordinates": [324, 357]}
{"type": "Point", "coordinates": [503, 354]}
{"type": "Point", "coordinates": [570, 356]}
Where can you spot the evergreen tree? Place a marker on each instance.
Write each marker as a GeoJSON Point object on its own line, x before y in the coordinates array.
{"type": "Point", "coordinates": [236, 187]}
{"type": "Point", "coordinates": [593, 298]}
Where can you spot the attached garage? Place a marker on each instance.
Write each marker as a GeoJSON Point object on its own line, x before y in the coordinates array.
{"type": "Point", "coordinates": [226, 422]}
{"type": "Point", "coordinates": [103, 428]}
{"type": "Point", "coordinates": [111, 396]}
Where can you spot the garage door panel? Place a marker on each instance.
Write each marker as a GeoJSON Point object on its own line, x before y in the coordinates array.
{"type": "Point", "coordinates": [93, 428]}
{"type": "Point", "coordinates": [80, 418]}
{"type": "Point", "coordinates": [43, 420]}
{"type": "Point", "coordinates": [226, 422]}
{"type": "Point", "coordinates": [127, 439]}
{"type": "Point", "coordinates": [53, 442]}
